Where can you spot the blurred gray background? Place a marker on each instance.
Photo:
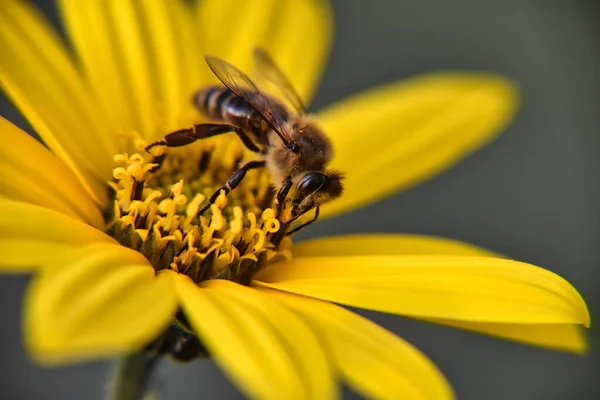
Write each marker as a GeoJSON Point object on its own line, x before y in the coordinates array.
{"type": "Point", "coordinates": [533, 194]}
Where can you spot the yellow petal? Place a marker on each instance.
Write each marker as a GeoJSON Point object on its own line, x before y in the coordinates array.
{"type": "Point", "coordinates": [126, 26]}
{"type": "Point", "coordinates": [393, 137]}
{"type": "Point", "coordinates": [192, 59]}
{"type": "Point", "coordinates": [31, 173]}
{"type": "Point", "coordinates": [563, 337]}
{"type": "Point", "coordinates": [22, 255]}
{"type": "Point", "coordinates": [27, 221]}
{"type": "Point", "coordinates": [470, 289]}
{"type": "Point", "coordinates": [554, 336]}
{"type": "Point", "coordinates": [92, 35]}
{"type": "Point", "coordinates": [100, 305]}
{"type": "Point", "coordinates": [375, 362]}
{"type": "Point", "coordinates": [175, 58]}
{"type": "Point", "coordinates": [25, 255]}
{"type": "Point", "coordinates": [231, 29]}
{"type": "Point", "coordinates": [39, 77]}
{"type": "Point", "coordinates": [264, 348]}
{"type": "Point", "coordinates": [304, 349]}
{"type": "Point", "coordinates": [300, 41]}
{"type": "Point", "coordinates": [117, 47]}
{"type": "Point", "coordinates": [386, 244]}
{"type": "Point", "coordinates": [297, 34]}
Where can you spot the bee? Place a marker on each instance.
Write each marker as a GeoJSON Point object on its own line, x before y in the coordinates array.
{"type": "Point", "coordinates": [292, 147]}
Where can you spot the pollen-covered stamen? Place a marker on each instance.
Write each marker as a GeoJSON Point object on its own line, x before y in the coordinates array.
{"type": "Point", "coordinates": [156, 212]}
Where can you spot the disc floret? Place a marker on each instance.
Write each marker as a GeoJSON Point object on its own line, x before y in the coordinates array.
{"type": "Point", "coordinates": [156, 206]}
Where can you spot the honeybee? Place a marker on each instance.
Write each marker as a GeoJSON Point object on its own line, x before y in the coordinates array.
{"type": "Point", "coordinates": [293, 148]}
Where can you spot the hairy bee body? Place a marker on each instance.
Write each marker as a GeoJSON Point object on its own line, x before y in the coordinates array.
{"type": "Point", "coordinates": [293, 147]}
{"type": "Point", "coordinates": [219, 104]}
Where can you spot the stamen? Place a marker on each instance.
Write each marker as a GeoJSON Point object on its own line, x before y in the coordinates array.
{"type": "Point", "coordinates": [157, 199]}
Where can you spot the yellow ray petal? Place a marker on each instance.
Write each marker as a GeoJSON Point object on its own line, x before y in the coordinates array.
{"type": "Point", "coordinates": [104, 304]}
{"type": "Point", "coordinates": [296, 33]}
{"type": "Point", "coordinates": [136, 50]}
{"type": "Point", "coordinates": [95, 187]}
{"type": "Point", "coordinates": [386, 244]}
{"type": "Point", "coordinates": [22, 255]}
{"type": "Point", "coordinates": [89, 29]}
{"type": "Point", "coordinates": [25, 255]}
{"type": "Point", "coordinates": [472, 289]}
{"type": "Point", "coordinates": [304, 349]}
{"type": "Point", "coordinates": [164, 57]}
{"type": "Point", "coordinates": [27, 221]}
{"type": "Point", "coordinates": [375, 362]}
{"type": "Point", "coordinates": [192, 59]}
{"type": "Point", "coordinates": [300, 41]}
{"type": "Point", "coordinates": [31, 173]}
{"type": "Point", "coordinates": [231, 29]}
{"type": "Point", "coordinates": [266, 350]}
{"type": "Point", "coordinates": [393, 137]}
{"type": "Point", "coordinates": [39, 77]}
{"type": "Point", "coordinates": [131, 47]}
{"type": "Point", "coordinates": [110, 40]}
{"type": "Point", "coordinates": [563, 337]}
{"type": "Point", "coordinates": [175, 57]}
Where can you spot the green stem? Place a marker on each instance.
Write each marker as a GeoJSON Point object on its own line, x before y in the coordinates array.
{"type": "Point", "coordinates": [131, 377]}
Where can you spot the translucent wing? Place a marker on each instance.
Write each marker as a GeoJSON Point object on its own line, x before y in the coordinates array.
{"type": "Point", "coordinates": [240, 84]}
{"type": "Point", "coordinates": [268, 69]}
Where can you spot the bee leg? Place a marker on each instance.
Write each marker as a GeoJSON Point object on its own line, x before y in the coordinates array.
{"type": "Point", "coordinates": [247, 141]}
{"type": "Point", "coordinates": [232, 182]}
{"type": "Point", "coordinates": [304, 225]}
{"type": "Point", "coordinates": [282, 194]}
{"type": "Point", "coordinates": [187, 136]}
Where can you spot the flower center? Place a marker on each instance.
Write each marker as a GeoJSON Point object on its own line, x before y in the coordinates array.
{"type": "Point", "coordinates": [156, 207]}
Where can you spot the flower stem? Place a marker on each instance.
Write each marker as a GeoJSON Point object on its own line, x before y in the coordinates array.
{"type": "Point", "coordinates": [132, 377]}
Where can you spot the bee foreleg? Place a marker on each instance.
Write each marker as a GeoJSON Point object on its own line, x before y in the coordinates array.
{"type": "Point", "coordinates": [282, 194]}
{"type": "Point", "coordinates": [232, 182]}
{"type": "Point", "coordinates": [304, 225]}
{"type": "Point", "coordinates": [187, 136]}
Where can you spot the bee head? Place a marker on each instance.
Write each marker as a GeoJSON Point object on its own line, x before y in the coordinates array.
{"type": "Point", "coordinates": [314, 147]}
{"type": "Point", "coordinates": [316, 188]}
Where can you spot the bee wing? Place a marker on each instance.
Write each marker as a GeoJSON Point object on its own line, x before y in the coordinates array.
{"type": "Point", "coordinates": [240, 84]}
{"type": "Point", "coordinates": [270, 71]}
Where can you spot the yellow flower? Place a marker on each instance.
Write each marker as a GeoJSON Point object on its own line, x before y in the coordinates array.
{"type": "Point", "coordinates": [115, 263]}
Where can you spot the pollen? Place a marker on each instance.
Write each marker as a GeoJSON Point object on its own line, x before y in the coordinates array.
{"type": "Point", "coordinates": [156, 205]}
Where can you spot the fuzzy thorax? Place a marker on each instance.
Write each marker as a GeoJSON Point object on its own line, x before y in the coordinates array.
{"type": "Point", "coordinates": [315, 150]}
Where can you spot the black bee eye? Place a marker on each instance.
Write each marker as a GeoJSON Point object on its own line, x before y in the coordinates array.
{"type": "Point", "coordinates": [310, 183]}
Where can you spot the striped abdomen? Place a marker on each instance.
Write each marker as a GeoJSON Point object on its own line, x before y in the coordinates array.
{"type": "Point", "coordinates": [220, 104]}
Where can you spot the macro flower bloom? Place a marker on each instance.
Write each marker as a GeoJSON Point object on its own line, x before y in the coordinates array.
{"type": "Point", "coordinates": [124, 263]}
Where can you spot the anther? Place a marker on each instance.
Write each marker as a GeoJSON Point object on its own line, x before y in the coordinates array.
{"type": "Point", "coordinates": [157, 211]}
